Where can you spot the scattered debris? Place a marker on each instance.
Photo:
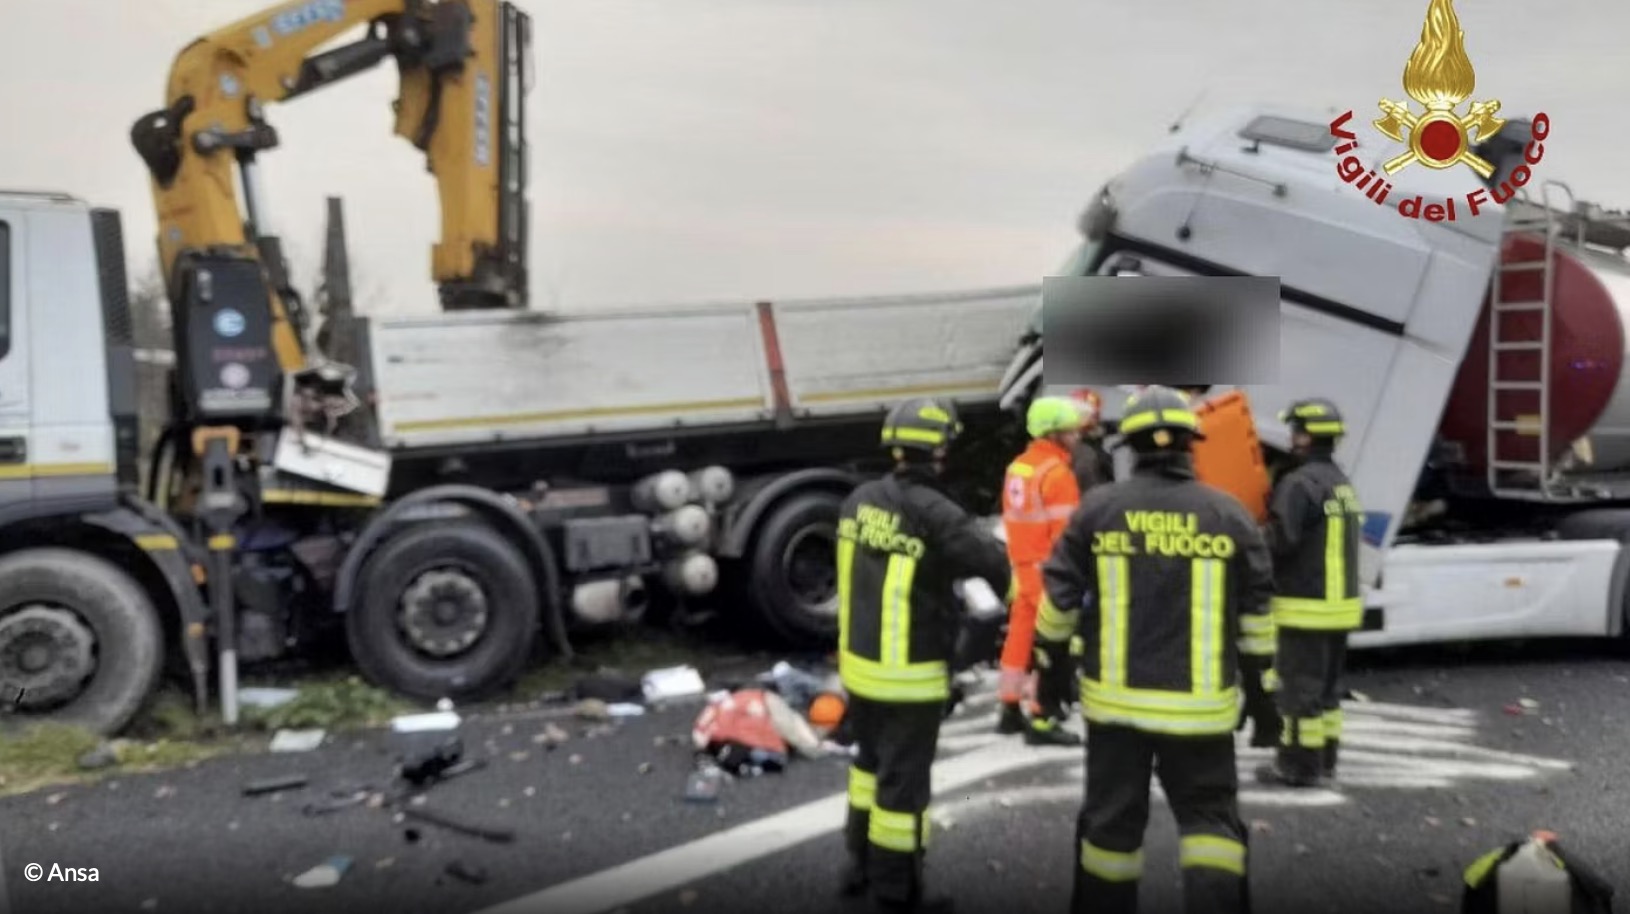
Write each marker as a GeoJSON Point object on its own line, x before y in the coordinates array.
{"type": "Point", "coordinates": [1261, 826]}
{"type": "Point", "coordinates": [325, 874]}
{"type": "Point", "coordinates": [495, 835]}
{"type": "Point", "coordinates": [432, 762]}
{"type": "Point", "coordinates": [704, 784]}
{"type": "Point", "coordinates": [55, 798]}
{"type": "Point", "coordinates": [551, 736]}
{"type": "Point", "coordinates": [103, 756]}
{"type": "Point", "coordinates": [164, 792]}
{"type": "Point", "coordinates": [672, 683]}
{"type": "Point", "coordinates": [1433, 821]}
{"type": "Point", "coordinates": [625, 709]}
{"type": "Point", "coordinates": [688, 897]}
{"type": "Point", "coordinates": [297, 740]}
{"type": "Point", "coordinates": [576, 759]}
{"type": "Point", "coordinates": [1469, 822]}
{"type": "Point", "coordinates": [273, 785]}
{"type": "Point", "coordinates": [384, 863]}
{"type": "Point", "coordinates": [645, 768]}
{"type": "Point", "coordinates": [1528, 704]}
{"type": "Point", "coordinates": [464, 872]}
{"type": "Point", "coordinates": [337, 801]}
{"type": "Point", "coordinates": [608, 685]}
{"type": "Point", "coordinates": [266, 698]}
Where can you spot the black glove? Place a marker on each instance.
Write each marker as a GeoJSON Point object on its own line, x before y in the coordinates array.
{"type": "Point", "coordinates": [958, 694]}
{"type": "Point", "coordinates": [1259, 704]}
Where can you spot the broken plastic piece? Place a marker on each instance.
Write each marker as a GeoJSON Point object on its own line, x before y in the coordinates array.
{"type": "Point", "coordinates": [297, 740]}
{"type": "Point", "coordinates": [273, 785]}
{"type": "Point", "coordinates": [672, 682]}
{"type": "Point", "coordinates": [464, 872]}
{"type": "Point", "coordinates": [324, 874]}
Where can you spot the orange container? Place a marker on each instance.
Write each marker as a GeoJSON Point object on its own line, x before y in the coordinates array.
{"type": "Point", "coordinates": [1231, 456]}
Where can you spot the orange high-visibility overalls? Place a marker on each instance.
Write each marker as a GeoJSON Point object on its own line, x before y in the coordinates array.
{"type": "Point", "coordinates": [1038, 497]}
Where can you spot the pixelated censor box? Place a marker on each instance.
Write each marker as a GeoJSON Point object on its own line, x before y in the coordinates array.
{"type": "Point", "coordinates": [1171, 330]}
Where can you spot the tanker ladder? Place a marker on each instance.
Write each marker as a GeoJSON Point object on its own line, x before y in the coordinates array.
{"type": "Point", "coordinates": [1513, 477]}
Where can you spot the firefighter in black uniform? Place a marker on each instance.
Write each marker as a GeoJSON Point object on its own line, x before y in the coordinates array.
{"type": "Point", "coordinates": [1167, 580]}
{"type": "Point", "coordinates": [902, 542]}
{"type": "Point", "coordinates": [1314, 524]}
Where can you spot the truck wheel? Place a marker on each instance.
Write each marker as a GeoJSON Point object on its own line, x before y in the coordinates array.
{"type": "Point", "coordinates": [79, 637]}
{"type": "Point", "coordinates": [445, 610]}
{"type": "Point", "coordinates": [793, 575]}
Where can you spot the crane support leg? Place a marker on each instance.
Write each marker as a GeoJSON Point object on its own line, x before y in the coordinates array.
{"type": "Point", "coordinates": [220, 507]}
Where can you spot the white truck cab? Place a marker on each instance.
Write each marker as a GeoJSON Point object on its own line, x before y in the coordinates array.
{"type": "Point", "coordinates": [1380, 313]}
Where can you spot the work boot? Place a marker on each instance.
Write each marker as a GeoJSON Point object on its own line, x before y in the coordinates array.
{"type": "Point", "coordinates": [853, 883]}
{"type": "Point", "coordinates": [1332, 749]}
{"type": "Point", "coordinates": [1276, 774]}
{"type": "Point", "coordinates": [1049, 732]}
{"type": "Point", "coordinates": [1012, 720]}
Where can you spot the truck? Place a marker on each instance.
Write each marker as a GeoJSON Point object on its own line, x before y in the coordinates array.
{"type": "Point", "coordinates": [1480, 362]}
{"type": "Point", "coordinates": [447, 493]}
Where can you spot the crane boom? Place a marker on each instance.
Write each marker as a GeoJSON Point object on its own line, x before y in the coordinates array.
{"type": "Point", "coordinates": [463, 73]}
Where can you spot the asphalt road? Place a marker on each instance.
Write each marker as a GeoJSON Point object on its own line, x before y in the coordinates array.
{"type": "Point", "coordinates": [1445, 760]}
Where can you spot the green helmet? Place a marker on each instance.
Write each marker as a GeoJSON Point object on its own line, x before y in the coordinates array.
{"type": "Point", "coordinates": [1052, 414]}
{"type": "Point", "coordinates": [1316, 416]}
{"type": "Point", "coordinates": [1158, 410]}
{"type": "Point", "coordinates": [921, 423]}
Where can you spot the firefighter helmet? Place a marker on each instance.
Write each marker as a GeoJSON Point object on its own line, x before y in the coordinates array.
{"type": "Point", "coordinates": [1052, 414]}
{"type": "Point", "coordinates": [1315, 416]}
{"type": "Point", "coordinates": [1153, 414]}
{"type": "Point", "coordinates": [921, 423]}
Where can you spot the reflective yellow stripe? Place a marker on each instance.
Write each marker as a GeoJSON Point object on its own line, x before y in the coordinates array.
{"type": "Point", "coordinates": [1212, 851]}
{"type": "Point", "coordinates": [894, 831]}
{"type": "Point", "coordinates": [1335, 559]}
{"type": "Point", "coordinates": [156, 542]}
{"type": "Point", "coordinates": [1306, 732]}
{"type": "Point", "coordinates": [1111, 866]}
{"type": "Point", "coordinates": [895, 632]}
{"type": "Point", "coordinates": [1256, 647]}
{"type": "Point", "coordinates": [926, 681]}
{"type": "Point", "coordinates": [1078, 646]}
{"type": "Point", "coordinates": [27, 470]}
{"type": "Point", "coordinates": [923, 435]}
{"type": "Point", "coordinates": [1270, 681]}
{"type": "Point", "coordinates": [222, 541]}
{"type": "Point", "coordinates": [1179, 417]}
{"type": "Point", "coordinates": [1021, 469]}
{"type": "Point", "coordinates": [1112, 634]}
{"type": "Point", "coordinates": [1160, 711]}
{"type": "Point", "coordinates": [1256, 634]}
{"type": "Point", "coordinates": [1308, 613]}
{"type": "Point", "coordinates": [1332, 724]}
{"type": "Point", "coordinates": [1052, 623]}
{"type": "Point", "coordinates": [1206, 620]}
{"type": "Point", "coordinates": [846, 565]}
{"type": "Point", "coordinates": [1482, 866]}
{"type": "Point", "coordinates": [862, 788]}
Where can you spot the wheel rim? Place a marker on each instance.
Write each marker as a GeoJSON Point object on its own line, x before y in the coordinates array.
{"type": "Point", "coordinates": [48, 652]}
{"type": "Point", "coordinates": [443, 612]}
{"type": "Point", "coordinates": [809, 568]}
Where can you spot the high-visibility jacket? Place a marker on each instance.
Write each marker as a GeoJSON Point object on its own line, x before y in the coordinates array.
{"type": "Point", "coordinates": [902, 542]}
{"type": "Point", "coordinates": [1314, 524]}
{"type": "Point", "coordinates": [1038, 497]}
{"type": "Point", "coordinates": [1167, 581]}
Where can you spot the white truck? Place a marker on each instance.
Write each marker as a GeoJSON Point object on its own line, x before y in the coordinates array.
{"type": "Point", "coordinates": [519, 471]}
{"type": "Point", "coordinates": [1498, 502]}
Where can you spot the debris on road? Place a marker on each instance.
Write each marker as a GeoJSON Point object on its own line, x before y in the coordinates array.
{"type": "Point", "coordinates": [625, 709]}
{"type": "Point", "coordinates": [275, 785]}
{"type": "Point", "coordinates": [297, 740]}
{"type": "Point", "coordinates": [704, 784]}
{"type": "Point", "coordinates": [671, 684]}
{"type": "Point", "coordinates": [495, 835]}
{"type": "Point", "coordinates": [266, 698]}
{"type": "Point", "coordinates": [325, 874]}
{"type": "Point", "coordinates": [464, 872]}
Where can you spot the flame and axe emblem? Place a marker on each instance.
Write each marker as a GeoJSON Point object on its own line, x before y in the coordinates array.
{"type": "Point", "coordinates": [1439, 77]}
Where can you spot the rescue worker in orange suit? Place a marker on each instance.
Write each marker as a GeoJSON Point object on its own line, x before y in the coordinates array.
{"type": "Point", "coordinates": [902, 543]}
{"type": "Point", "coordinates": [1038, 496]}
{"type": "Point", "coordinates": [1314, 524]}
{"type": "Point", "coordinates": [1167, 582]}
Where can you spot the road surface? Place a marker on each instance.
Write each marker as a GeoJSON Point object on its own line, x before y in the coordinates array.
{"type": "Point", "coordinates": [1442, 762]}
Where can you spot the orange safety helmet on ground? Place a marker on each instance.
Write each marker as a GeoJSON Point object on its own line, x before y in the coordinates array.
{"type": "Point", "coordinates": [826, 711]}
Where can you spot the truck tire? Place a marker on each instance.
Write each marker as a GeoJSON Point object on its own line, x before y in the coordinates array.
{"type": "Point", "coordinates": [792, 572]}
{"type": "Point", "coordinates": [445, 610]}
{"type": "Point", "coordinates": [82, 630]}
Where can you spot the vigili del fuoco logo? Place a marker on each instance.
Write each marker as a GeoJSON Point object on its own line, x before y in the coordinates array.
{"type": "Point", "coordinates": [1440, 78]}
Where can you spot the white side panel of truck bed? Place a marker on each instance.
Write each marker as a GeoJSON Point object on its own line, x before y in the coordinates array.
{"type": "Point", "coordinates": [464, 379]}
{"type": "Point", "coordinates": [460, 379]}
{"type": "Point", "coordinates": [847, 356]}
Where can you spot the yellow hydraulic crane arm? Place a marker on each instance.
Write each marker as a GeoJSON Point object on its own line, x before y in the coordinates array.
{"type": "Point", "coordinates": [463, 66]}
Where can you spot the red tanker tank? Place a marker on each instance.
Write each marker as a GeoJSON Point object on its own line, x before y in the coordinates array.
{"type": "Point", "coordinates": [1587, 356]}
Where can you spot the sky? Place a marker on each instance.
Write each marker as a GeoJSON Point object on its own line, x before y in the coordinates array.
{"type": "Point", "coordinates": [706, 150]}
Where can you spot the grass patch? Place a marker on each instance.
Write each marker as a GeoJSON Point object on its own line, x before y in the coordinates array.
{"type": "Point", "coordinates": [340, 703]}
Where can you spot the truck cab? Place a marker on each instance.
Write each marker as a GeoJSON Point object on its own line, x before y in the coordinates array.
{"type": "Point", "coordinates": [1380, 313]}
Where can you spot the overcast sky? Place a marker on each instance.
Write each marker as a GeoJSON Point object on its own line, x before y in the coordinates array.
{"type": "Point", "coordinates": [688, 150]}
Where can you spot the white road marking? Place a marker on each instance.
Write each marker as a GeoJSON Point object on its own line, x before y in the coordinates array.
{"type": "Point", "coordinates": [1385, 746]}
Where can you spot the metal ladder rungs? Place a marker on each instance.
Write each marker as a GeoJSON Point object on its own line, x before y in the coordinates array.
{"type": "Point", "coordinates": [1511, 425]}
{"type": "Point", "coordinates": [1526, 465]}
{"type": "Point", "coordinates": [1528, 346]}
{"type": "Point", "coordinates": [1519, 385]}
{"type": "Point", "coordinates": [1528, 266]}
{"type": "Point", "coordinates": [1507, 306]}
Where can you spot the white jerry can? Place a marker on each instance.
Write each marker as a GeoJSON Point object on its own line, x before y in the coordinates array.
{"type": "Point", "coordinates": [1534, 877]}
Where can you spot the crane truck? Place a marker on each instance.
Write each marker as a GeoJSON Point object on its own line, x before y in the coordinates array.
{"type": "Point", "coordinates": [447, 490]}
{"type": "Point", "coordinates": [1480, 363]}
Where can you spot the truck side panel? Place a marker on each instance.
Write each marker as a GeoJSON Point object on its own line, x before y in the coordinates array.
{"type": "Point", "coordinates": [845, 356]}
{"type": "Point", "coordinates": [469, 379]}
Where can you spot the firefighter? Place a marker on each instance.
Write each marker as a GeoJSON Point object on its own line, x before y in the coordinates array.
{"type": "Point", "coordinates": [902, 542]}
{"type": "Point", "coordinates": [1038, 496]}
{"type": "Point", "coordinates": [1167, 582]}
{"type": "Point", "coordinates": [1314, 523]}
